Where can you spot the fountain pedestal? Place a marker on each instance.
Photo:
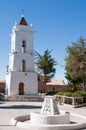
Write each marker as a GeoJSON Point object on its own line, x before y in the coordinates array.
{"type": "Point", "coordinates": [50, 114]}
{"type": "Point", "coordinates": [49, 106]}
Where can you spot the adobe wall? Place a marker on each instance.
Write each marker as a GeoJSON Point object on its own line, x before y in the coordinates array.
{"type": "Point", "coordinates": [2, 86]}
{"type": "Point", "coordinates": [51, 88]}
{"type": "Point", "coordinates": [56, 88]}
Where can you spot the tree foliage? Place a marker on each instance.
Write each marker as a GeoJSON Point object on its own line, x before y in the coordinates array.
{"type": "Point", "coordinates": [45, 64]}
{"type": "Point", "coordinates": [76, 62]}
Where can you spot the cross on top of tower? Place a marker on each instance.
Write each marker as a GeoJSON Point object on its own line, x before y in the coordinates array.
{"type": "Point", "coordinates": [22, 12]}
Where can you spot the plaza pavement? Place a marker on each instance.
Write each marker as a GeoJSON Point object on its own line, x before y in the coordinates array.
{"type": "Point", "coordinates": [9, 110]}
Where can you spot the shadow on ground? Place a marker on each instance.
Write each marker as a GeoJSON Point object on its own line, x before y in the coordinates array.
{"type": "Point", "coordinates": [20, 107]}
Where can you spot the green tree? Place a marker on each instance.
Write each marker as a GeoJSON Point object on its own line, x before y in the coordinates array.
{"type": "Point", "coordinates": [45, 65]}
{"type": "Point", "coordinates": [76, 62]}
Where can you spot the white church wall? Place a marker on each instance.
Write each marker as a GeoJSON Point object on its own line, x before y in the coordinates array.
{"type": "Point", "coordinates": [23, 33]}
{"type": "Point", "coordinates": [21, 61]}
{"type": "Point", "coordinates": [7, 88]}
{"type": "Point", "coordinates": [29, 42]}
{"type": "Point", "coordinates": [11, 61]}
{"type": "Point", "coordinates": [16, 62]}
{"type": "Point", "coordinates": [30, 87]}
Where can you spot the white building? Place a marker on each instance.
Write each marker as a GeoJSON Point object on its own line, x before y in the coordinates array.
{"type": "Point", "coordinates": [21, 78]}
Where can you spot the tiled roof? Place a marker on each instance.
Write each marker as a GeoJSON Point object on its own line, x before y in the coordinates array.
{"type": "Point", "coordinates": [56, 82]}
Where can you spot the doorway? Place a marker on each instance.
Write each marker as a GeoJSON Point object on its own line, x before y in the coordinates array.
{"type": "Point", "coordinates": [21, 88]}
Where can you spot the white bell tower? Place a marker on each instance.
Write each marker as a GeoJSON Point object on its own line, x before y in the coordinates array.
{"type": "Point", "coordinates": [21, 78]}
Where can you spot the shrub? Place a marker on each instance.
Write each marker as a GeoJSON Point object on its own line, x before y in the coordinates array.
{"type": "Point", "coordinates": [72, 94]}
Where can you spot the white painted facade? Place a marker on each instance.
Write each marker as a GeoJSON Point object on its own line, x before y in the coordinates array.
{"type": "Point", "coordinates": [21, 77]}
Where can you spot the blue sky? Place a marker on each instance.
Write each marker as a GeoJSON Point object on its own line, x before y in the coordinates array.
{"type": "Point", "coordinates": [58, 23]}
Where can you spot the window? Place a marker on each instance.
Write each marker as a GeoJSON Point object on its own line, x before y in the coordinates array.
{"type": "Point", "coordinates": [23, 65]}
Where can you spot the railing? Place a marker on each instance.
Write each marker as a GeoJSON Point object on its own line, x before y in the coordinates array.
{"type": "Point", "coordinates": [75, 101]}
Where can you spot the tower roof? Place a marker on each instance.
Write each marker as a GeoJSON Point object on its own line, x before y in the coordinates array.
{"type": "Point", "coordinates": [23, 21]}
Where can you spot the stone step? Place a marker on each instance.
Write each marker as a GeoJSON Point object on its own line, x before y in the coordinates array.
{"type": "Point", "coordinates": [30, 98]}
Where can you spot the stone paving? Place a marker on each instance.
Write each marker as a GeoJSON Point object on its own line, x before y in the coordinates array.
{"type": "Point", "coordinates": [9, 110]}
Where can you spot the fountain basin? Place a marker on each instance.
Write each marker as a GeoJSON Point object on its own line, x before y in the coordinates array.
{"type": "Point", "coordinates": [49, 119]}
{"type": "Point", "coordinates": [77, 122]}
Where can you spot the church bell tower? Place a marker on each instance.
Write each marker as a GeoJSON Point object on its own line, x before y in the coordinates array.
{"type": "Point", "coordinates": [21, 78]}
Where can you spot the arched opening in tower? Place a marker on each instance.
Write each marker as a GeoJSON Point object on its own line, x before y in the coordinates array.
{"type": "Point", "coordinates": [23, 65]}
{"type": "Point", "coordinates": [23, 46]}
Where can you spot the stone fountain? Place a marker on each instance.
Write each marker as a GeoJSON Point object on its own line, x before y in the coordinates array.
{"type": "Point", "coordinates": [50, 118]}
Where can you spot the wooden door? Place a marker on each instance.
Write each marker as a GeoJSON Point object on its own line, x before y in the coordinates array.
{"type": "Point", "coordinates": [21, 88]}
